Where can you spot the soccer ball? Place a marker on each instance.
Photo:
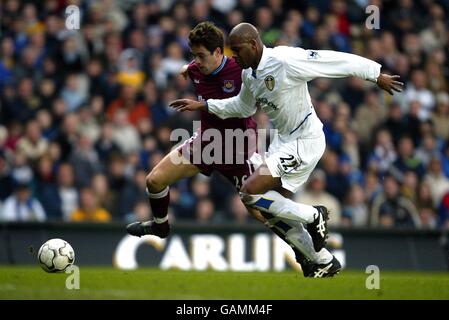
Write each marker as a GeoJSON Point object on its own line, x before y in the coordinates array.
{"type": "Point", "coordinates": [56, 255]}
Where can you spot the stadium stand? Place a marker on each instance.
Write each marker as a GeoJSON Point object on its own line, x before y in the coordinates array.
{"type": "Point", "coordinates": [84, 113]}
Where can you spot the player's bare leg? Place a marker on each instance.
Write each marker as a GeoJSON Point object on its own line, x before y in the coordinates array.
{"type": "Point", "coordinates": [170, 170]}
{"type": "Point", "coordinates": [258, 192]}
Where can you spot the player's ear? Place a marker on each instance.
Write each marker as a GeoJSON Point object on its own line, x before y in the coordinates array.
{"type": "Point", "coordinates": [253, 43]}
{"type": "Point", "coordinates": [217, 52]}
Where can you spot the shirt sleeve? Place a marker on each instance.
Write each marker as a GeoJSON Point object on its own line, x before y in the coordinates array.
{"type": "Point", "coordinates": [241, 106]}
{"type": "Point", "coordinates": [306, 65]}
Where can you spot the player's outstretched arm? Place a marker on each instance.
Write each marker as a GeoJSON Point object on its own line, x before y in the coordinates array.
{"type": "Point", "coordinates": [182, 105]}
{"type": "Point", "coordinates": [389, 83]}
{"type": "Point", "coordinates": [241, 106]}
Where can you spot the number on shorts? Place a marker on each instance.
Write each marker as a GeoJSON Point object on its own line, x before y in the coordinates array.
{"type": "Point", "coordinates": [289, 162]}
{"type": "Point", "coordinates": [239, 182]}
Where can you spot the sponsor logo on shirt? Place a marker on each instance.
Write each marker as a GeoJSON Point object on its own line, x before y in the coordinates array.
{"type": "Point", "coordinates": [269, 82]}
{"type": "Point", "coordinates": [313, 55]}
{"type": "Point", "coordinates": [196, 81]}
{"type": "Point", "coordinates": [228, 86]}
{"type": "Point", "coordinates": [261, 102]}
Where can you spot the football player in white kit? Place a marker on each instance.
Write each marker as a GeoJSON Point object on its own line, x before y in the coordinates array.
{"type": "Point", "coordinates": [275, 80]}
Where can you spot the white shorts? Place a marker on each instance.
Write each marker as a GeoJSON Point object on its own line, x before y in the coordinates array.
{"type": "Point", "coordinates": [295, 160]}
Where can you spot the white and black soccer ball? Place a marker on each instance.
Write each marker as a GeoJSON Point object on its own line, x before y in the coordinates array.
{"type": "Point", "coordinates": [56, 255]}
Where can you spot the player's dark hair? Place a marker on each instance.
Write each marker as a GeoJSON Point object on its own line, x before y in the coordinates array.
{"type": "Point", "coordinates": [208, 35]}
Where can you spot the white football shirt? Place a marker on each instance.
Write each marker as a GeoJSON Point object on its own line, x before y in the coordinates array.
{"type": "Point", "coordinates": [279, 87]}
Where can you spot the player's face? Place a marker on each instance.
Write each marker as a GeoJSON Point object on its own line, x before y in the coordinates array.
{"type": "Point", "coordinates": [242, 52]}
{"type": "Point", "coordinates": [207, 62]}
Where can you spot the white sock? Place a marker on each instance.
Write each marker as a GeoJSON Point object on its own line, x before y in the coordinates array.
{"type": "Point", "coordinates": [301, 239]}
{"type": "Point", "coordinates": [283, 208]}
{"type": "Point", "coordinates": [324, 256]}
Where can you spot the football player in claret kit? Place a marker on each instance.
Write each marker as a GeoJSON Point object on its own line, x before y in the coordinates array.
{"type": "Point", "coordinates": [276, 80]}
{"type": "Point", "coordinates": [214, 76]}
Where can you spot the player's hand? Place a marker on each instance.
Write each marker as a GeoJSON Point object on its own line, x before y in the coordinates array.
{"type": "Point", "coordinates": [389, 83]}
{"type": "Point", "coordinates": [183, 72]}
{"type": "Point", "coordinates": [182, 105]}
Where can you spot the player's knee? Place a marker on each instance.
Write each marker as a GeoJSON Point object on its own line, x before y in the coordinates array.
{"type": "Point", "coordinates": [248, 194]}
{"type": "Point", "coordinates": [247, 199]}
{"type": "Point", "coordinates": [248, 189]}
{"type": "Point", "coordinates": [154, 182]}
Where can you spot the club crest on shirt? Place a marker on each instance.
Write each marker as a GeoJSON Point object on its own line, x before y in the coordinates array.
{"type": "Point", "coordinates": [269, 82]}
{"type": "Point", "coordinates": [228, 86]}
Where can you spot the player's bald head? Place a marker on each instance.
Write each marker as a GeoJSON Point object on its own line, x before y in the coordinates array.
{"type": "Point", "coordinates": [244, 32]}
{"type": "Point", "coordinates": [246, 45]}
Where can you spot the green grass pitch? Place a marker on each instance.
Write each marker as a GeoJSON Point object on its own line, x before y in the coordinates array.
{"type": "Point", "coordinates": [107, 283]}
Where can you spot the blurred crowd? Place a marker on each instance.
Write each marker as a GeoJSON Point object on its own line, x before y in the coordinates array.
{"type": "Point", "coordinates": [84, 113]}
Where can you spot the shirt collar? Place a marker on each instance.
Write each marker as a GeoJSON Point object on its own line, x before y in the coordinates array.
{"type": "Point", "coordinates": [221, 66]}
